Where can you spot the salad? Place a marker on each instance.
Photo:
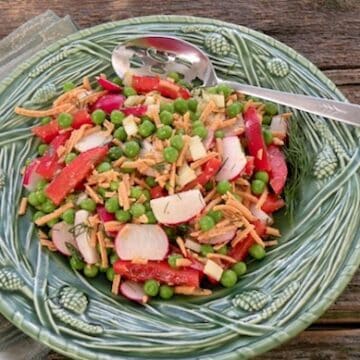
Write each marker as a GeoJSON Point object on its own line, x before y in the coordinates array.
{"type": "Point", "coordinates": [163, 190]}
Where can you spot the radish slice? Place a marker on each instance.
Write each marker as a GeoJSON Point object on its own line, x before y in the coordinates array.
{"type": "Point", "coordinates": [133, 291]}
{"type": "Point", "coordinates": [104, 215]}
{"type": "Point", "coordinates": [234, 159]}
{"type": "Point", "coordinates": [141, 242]}
{"type": "Point", "coordinates": [137, 111]}
{"type": "Point", "coordinates": [178, 208]}
{"type": "Point", "coordinates": [261, 215]}
{"type": "Point", "coordinates": [89, 253]}
{"type": "Point", "coordinates": [108, 85]}
{"type": "Point", "coordinates": [233, 130]}
{"type": "Point", "coordinates": [61, 236]}
{"type": "Point", "coordinates": [279, 125]}
{"type": "Point", "coordinates": [224, 238]}
{"type": "Point", "coordinates": [109, 102]}
{"type": "Point", "coordinates": [31, 177]}
{"type": "Point", "coordinates": [94, 140]}
{"type": "Point", "coordinates": [207, 142]}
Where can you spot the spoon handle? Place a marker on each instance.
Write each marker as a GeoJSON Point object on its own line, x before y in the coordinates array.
{"type": "Point", "coordinates": [344, 112]}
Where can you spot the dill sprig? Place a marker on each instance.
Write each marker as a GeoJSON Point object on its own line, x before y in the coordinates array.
{"type": "Point", "coordinates": [299, 165]}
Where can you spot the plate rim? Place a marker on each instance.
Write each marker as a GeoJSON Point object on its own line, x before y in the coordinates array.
{"type": "Point", "coordinates": [56, 342]}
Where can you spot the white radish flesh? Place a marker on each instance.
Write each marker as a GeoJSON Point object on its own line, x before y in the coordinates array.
{"type": "Point", "coordinates": [233, 130]}
{"type": "Point", "coordinates": [234, 159]}
{"type": "Point", "coordinates": [261, 215]}
{"type": "Point", "coordinates": [31, 177]}
{"type": "Point", "coordinates": [224, 238]}
{"type": "Point", "coordinates": [147, 242]}
{"type": "Point", "coordinates": [192, 245]}
{"type": "Point", "coordinates": [89, 253]}
{"type": "Point", "coordinates": [279, 125]}
{"type": "Point", "coordinates": [133, 291]}
{"type": "Point", "coordinates": [94, 140]}
{"type": "Point", "coordinates": [61, 236]}
{"type": "Point", "coordinates": [178, 208]}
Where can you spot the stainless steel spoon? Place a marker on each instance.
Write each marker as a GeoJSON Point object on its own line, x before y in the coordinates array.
{"type": "Point", "coordinates": [159, 55]}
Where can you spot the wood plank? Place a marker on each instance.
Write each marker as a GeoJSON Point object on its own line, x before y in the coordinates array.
{"type": "Point", "coordinates": [326, 32]}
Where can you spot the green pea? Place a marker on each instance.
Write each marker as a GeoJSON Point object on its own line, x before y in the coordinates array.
{"type": "Point", "coordinates": [240, 268]}
{"type": "Point", "coordinates": [197, 123]}
{"type": "Point", "coordinates": [257, 187]}
{"type": "Point", "coordinates": [76, 263]}
{"type": "Point", "coordinates": [88, 204]}
{"type": "Point", "coordinates": [116, 80]}
{"type": "Point", "coordinates": [42, 148]}
{"type": "Point", "coordinates": [131, 149]}
{"type": "Point", "coordinates": [41, 184]}
{"type": "Point", "coordinates": [164, 132]}
{"type": "Point", "coordinates": [45, 120]}
{"type": "Point", "coordinates": [117, 117]}
{"type": "Point", "coordinates": [257, 251]}
{"type": "Point", "coordinates": [199, 131]}
{"type": "Point", "coordinates": [270, 108]}
{"type": "Point", "coordinates": [38, 215]}
{"type": "Point", "coordinates": [263, 176]}
{"type": "Point", "coordinates": [101, 191]}
{"type": "Point", "coordinates": [41, 196]}
{"type": "Point", "coordinates": [110, 274]}
{"type": "Point", "coordinates": [212, 90]}
{"type": "Point", "coordinates": [115, 153]}
{"type": "Point", "coordinates": [98, 116]}
{"type": "Point", "coordinates": [114, 185]}
{"type": "Point", "coordinates": [172, 260]}
{"type": "Point", "coordinates": [170, 154]}
{"type": "Point", "coordinates": [146, 128]}
{"type": "Point", "coordinates": [181, 106]}
{"type": "Point", "coordinates": [122, 216]}
{"type": "Point", "coordinates": [192, 105]}
{"type": "Point", "coordinates": [127, 170]}
{"type": "Point", "coordinates": [185, 84]}
{"type": "Point", "coordinates": [52, 222]}
{"type": "Point", "coordinates": [167, 107]}
{"type": "Point", "coordinates": [112, 204]}
{"type": "Point", "coordinates": [194, 116]}
{"type": "Point", "coordinates": [224, 89]}
{"type": "Point", "coordinates": [206, 223]}
{"type": "Point", "coordinates": [69, 216]}
{"type": "Point", "coordinates": [113, 258]}
{"type": "Point", "coordinates": [219, 134]}
{"type": "Point", "coordinates": [177, 141]}
{"type": "Point", "coordinates": [223, 250]}
{"type": "Point", "coordinates": [150, 181]}
{"type": "Point", "coordinates": [129, 91]}
{"type": "Point", "coordinates": [216, 215]}
{"type": "Point", "coordinates": [223, 187]}
{"type": "Point", "coordinates": [234, 109]}
{"type": "Point", "coordinates": [135, 192]}
{"type": "Point", "coordinates": [266, 120]}
{"type": "Point", "coordinates": [151, 217]}
{"type": "Point", "coordinates": [151, 287]}
{"type": "Point", "coordinates": [166, 292]}
{"type": "Point", "coordinates": [147, 194]}
{"type": "Point", "coordinates": [120, 134]}
{"type": "Point", "coordinates": [166, 117]}
{"type": "Point", "coordinates": [228, 278]}
{"type": "Point", "coordinates": [69, 158]}
{"type": "Point", "coordinates": [103, 167]}
{"type": "Point", "coordinates": [206, 249]}
{"type": "Point", "coordinates": [48, 206]}
{"type": "Point", "coordinates": [69, 85]}
{"type": "Point", "coordinates": [136, 210]}
{"type": "Point", "coordinates": [33, 199]}
{"type": "Point", "coordinates": [91, 271]}
{"type": "Point", "coordinates": [268, 137]}
{"type": "Point", "coordinates": [65, 120]}
{"type": "Point", "coordinates": [174, 75]}
{"type": "Point", "coordinates": [147, 206]}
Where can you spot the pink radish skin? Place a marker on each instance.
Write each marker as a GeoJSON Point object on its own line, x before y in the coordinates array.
{"type": "Point", "coordinates": [61, 235]}
{"type": "Point", "coordinates": [108, 85]}
{"type": "Point", "coordinates": [109, 102]}
{"type": "Point", "coordinates": [148, 242]}
{"type": "Point", "coordinates": [234, 159]}
{"type": "Point", "coordinates": [139, 110]}
{"type": "Point", "coordinates": [208, 141]}
{"type": "Point", "coordinates": [31, 177]}
{"type": "Point", "coordinates": [133, 291]}
{"type": "Point", "coordinates": [224, 238]}
{"type": "Point", "coordinates": [104, 217]}
{"type": "Point", "coordinates": [178, 208]}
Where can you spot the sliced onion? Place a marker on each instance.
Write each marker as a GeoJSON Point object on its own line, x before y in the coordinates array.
{"type": "Point", "coordinates": [61, 236]}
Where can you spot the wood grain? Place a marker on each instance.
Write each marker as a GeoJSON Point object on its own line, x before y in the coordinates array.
{"type": "Point", "coordinates": [327, 32]}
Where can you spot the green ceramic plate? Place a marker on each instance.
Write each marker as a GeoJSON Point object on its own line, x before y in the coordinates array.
{"type": "Point", "coordinates": [278, 298]}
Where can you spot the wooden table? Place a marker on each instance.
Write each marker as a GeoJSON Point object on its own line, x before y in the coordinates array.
{"type": "Point", "coordinates": [327, 32]}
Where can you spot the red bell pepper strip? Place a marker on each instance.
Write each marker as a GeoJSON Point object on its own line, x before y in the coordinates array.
{"type": "Point", "coordinates": [48, 164]}
{"type": "Point", "coordinates": [157, 192]}
{"type": "Point", "coordinates": [74, 173]}
{"type": "Point", "coordinates": [209, 170]}
{"type": "Point", "coordinates": [81, 117]}
{"type": "Point", "coordinates": [108, 85]}
{"type": "Point", "coordinates": [272, 204]}
{"type": "Point", "coordinates": [255, 140]}
{"type": "Point", "coordinates": [145, 84]}
{"type": "Point", "coordinates": [157, 270]}
{"type": "Point", "coordinates": [279, 171]}
{"type": "Point", "coordinates": [250, 166]}
{"type": "Point", "coordinates": [47, 132]}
